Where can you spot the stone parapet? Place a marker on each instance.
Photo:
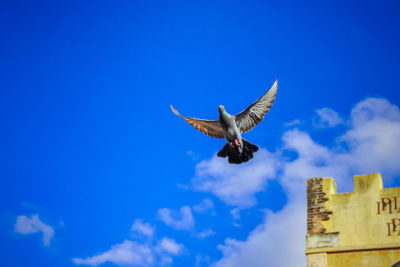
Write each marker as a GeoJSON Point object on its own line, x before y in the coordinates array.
{"type": "Point", "coordinates": [361, 228]}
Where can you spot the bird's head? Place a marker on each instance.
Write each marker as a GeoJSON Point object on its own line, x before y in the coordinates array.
{"type": "Point", "coordinates": [222, 111]}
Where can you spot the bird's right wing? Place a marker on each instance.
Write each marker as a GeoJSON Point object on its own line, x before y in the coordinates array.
{"type": "Point", "coordinates": [210, 128]}
{"type": "Point", "coordinates": [251, 116]}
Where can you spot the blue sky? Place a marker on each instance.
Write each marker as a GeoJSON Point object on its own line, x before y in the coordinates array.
{"type": "Point", "coordinates": [96, 169]}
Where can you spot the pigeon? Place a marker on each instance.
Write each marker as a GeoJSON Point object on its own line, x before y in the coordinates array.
{"type": "Point", "coordinates": [230, 127]}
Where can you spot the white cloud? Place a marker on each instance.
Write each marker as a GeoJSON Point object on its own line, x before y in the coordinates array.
{"type": "Point", "coordinates": [204, 206]}
{"type": "Point", "coordinates": [373, 108]}
{"type": "Point", "coordinates": [170, 246]}
{"type": "Point", "coordinates": [235, 214]}
{"type": "Point", "coordinates": [202, 260]}
{"type": "Point", "coordinates": [295, 122]}
{"type": "Point", "coordinates": [146, 252]}
{"type": "Point", "coordinates": [279, 241]}
{"type": "Point", "coordinates": [181, 219]}
{"type": "Point", "coordinates": [374, 137]}
{"type": "Point", "coordinates": [236, 184]}
{"type": "Point", "coordinates": [371, 144]}
{"type": "Point", "coordinates": [206, 233]}
{"type": "Point", "coordinates": [126, 253]}
{"type": "Point", "coordinates": [327, 118]}
{"type": "Point", "coordinates": [313, 160]}
{"type": "Point", "coordinates": [30, 225]}
{"type": "Point", "coordinates": [142, 228]}
{"type": "Point", "coordinates": [133, 253]}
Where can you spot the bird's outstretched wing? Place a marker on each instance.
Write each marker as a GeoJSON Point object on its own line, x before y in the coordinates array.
{"type": "Point", "coordinates": [210, 128]}
{"type": "Point", "coordinates": [251, 116]}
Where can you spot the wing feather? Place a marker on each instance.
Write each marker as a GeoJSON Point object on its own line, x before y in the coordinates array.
{"type": "Point", "coordinates": [209, 127]}
{"type": "Point", "coordinates": [251, 116]}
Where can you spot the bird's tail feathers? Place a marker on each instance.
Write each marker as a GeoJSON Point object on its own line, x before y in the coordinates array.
{"type": "Point", "coordinates": [224, 151]}
{"type": "Point", "coordinates": [252, 148]}
{"type": "Point", "coordinates": [233, 154]}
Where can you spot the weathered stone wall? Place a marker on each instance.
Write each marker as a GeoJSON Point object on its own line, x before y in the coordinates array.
{"type": "Point", "coordinates": [316, 210]}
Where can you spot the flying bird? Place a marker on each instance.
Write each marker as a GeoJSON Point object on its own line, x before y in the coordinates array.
{"type": "Point", "coordinates": [230, 127]}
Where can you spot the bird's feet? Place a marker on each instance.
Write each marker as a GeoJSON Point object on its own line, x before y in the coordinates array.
{"type": "Point", "coordinates": [234, 143]}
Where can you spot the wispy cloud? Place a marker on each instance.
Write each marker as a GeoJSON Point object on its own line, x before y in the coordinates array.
{"type": "Point", "coordinates": [170, 246]}
{"type": "Point", "coordinates": [140, 227]}
{"type": "Point", "coordinates": [135, 253]}
{"type": "Point", "coordinates": [295, 122]}
{"type": "Point", "coordinates": [235, 214]}
{"type": "Point", "coordinates": [370, 144]}
{"type": "Point", "coordinates": [181, 219]}
{"type": "Point", "coordinates": [30, 225]}
{"type": "Point", "coordinates": [202, 260]}
{"type": "Point", "coordinates": [126, 253]}
{"type": "Point", "coordinates": [204, 206]}
{"type": "Point", "coordinates": [327, 118]}
{"type": "Point", "coordinates": [206, 233]}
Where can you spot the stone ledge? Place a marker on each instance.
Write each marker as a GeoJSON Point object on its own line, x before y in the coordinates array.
{"type": "Point", "coordinates": [353, 248]}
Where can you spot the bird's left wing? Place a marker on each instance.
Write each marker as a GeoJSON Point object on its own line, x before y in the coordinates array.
{"type": "Point", "coordinates": [210, 128]}
{"type": "Point", "coordinates": [251, 116]}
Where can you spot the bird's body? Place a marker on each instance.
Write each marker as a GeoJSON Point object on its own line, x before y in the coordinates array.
{"type": "Point", "coordinates": [231, 127]}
